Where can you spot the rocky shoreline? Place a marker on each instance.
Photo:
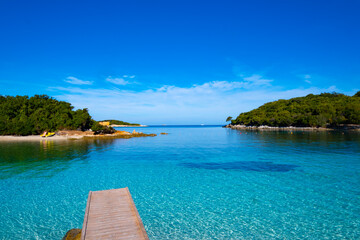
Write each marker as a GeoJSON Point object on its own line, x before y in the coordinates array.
{"type": "Point", "coordinates": [350, 127]}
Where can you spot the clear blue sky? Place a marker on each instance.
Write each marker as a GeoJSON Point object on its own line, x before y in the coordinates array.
{"type": "Point", "coordinates": [178, 62]}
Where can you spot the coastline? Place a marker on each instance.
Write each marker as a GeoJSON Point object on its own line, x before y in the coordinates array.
{"type": "Point", "coordinates": [75, 135]}
{"type": "Point", "coordinates": [352, 127]}
{"type": "Point", "coordinates": [38, 138]}
{"type": "Point", "coordinates": [115, 125]}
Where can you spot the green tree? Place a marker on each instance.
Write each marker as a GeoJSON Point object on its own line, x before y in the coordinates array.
{"type": "Point", "coordinates": [326, 109]}
{"type": "Point", "coordinates": [21, 115]}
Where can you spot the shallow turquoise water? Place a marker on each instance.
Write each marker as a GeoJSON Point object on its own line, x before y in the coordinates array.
{"type": "Point", "coordinates": [195, 183]}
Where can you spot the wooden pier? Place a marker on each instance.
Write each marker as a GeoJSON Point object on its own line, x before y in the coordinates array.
{"type": "Point", "coordinates": [111, 214]}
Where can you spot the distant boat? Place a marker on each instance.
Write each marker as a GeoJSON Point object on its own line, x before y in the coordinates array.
{"type": "Point", "coordinates": [202, 124]}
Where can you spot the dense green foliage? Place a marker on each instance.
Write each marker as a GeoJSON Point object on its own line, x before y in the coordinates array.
{"type": "Point", "coordinates": [324, 110]}
{"type": "Point", "coordinates": [117, 122]}
{"type": "Point", "coordinates": [22, 115]}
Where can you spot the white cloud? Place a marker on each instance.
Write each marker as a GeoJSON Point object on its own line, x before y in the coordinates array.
{"type": "Point", "coordinates": [120, 80]}
{"type": "Point", "coordinates": [117, 81]}
{"type": "Point", "coordinates": [208, 103]}
{"type": "Point", "coordinates": [76, 81]}
{"type": "Point", "coordinates": [258, 80]}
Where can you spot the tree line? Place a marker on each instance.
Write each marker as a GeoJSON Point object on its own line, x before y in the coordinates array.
{"type": "Point", "coordinates": [23, 115]}
{"type": "Point", "coordinates": [323, 110]}
{"type": "Point", "coordinates": [118, 122]}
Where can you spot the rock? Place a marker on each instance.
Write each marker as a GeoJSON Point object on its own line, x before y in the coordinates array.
{"type": "Point", "coordinates": [164, 133]}
{"type": "Point", "coordinates": [73, 234]}
{"type": "Point", "coordinates": [122, 133]}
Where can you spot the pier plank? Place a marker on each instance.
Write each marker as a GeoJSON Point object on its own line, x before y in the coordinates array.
{"type": "Point", "coordinates": [111, 214]}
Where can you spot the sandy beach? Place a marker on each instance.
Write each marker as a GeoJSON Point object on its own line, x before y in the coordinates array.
{"type": "Point", "coordinates": [39, 138]}
{"type": "Point", "coordinates": [75, 135]}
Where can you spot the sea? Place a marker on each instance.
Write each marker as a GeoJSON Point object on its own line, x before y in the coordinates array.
{"type": "Point", "coordinates": [196, 182]}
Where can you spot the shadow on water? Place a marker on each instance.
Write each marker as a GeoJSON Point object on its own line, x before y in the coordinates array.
{"type": "Point", "coordinates": [45, 158]}
{"type": "Point", "coordinates": [255, 166]}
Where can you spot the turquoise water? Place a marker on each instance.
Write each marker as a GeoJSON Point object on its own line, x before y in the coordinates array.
{"type": "Point", "coordinates": [195, 183]}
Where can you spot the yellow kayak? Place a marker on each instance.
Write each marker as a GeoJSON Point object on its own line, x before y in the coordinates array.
{"type": "Point", "coordinates": [49, 134]}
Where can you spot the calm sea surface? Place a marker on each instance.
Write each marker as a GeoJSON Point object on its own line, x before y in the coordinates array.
{"type": "Point", "coordinates": [195, 183]}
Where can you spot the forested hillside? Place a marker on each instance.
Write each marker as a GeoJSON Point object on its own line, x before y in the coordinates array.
{"type": "Point", "coordinates": [118, 122]}
{"type": "Point", "coordinates": [324, 110]}
{"type": "Point", "coordinates": [23, 115]}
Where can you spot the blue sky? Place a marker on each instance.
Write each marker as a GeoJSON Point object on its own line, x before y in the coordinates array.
{"type": "Point", "coordinates": [178, 62]}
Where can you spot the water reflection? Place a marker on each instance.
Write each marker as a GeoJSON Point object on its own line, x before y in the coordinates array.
{"type": "Point", "coordinates": [306, 141]}
{"type": "Point", "coordinates": [256, 166]}
{"type": "Point", "coordinates": [45, 158]}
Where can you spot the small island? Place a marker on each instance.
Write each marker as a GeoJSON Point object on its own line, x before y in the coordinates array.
{"type": "Point", "coordinates": [28, 117]}
{"type": "Point", "coordinates": [326, 111]}
{"type": "Point", "coordinates": [118, 123]}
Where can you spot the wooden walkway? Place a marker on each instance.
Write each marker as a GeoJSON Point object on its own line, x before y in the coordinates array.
{"type": "Point", "coordinates": [111, 214]}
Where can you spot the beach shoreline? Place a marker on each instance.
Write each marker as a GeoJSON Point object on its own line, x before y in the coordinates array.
{"type": "Point", "coordinates": [37, 138]}
{"type": "Point", "coordinates": [75, 135]}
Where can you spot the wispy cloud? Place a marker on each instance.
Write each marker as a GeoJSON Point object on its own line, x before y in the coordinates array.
{"type": "Point", "coordinates": [129, 76]}
{"type": "Point", "coordinates": [76, 81]}
{"type": "Point", "coordinates": [307, 78]}
{"type": "Point", "coordinates": [257, 80]}
{"type": "Point", "coordinates": [120, 80]}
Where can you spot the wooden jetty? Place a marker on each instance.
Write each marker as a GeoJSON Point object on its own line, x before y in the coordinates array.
{"type": "Point", "coordinates": [111, 214]}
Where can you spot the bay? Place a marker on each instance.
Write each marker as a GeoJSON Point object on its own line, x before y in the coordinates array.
{"type": "Point", "coordinates": [197, 182]}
